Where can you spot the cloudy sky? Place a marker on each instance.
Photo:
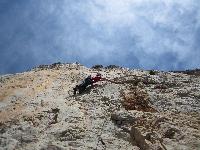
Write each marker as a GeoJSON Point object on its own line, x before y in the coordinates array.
{"type": "Point", "coordinates": [147, 34]}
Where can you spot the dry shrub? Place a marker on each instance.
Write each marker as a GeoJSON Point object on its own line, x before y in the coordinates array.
{"type": "Point", "coordinates": [160, 86]}
{"type": "Point", "coordinates": [152, 72]}
{"type": "Point", "coordinates": [137, 99]}
{"type": "Point", "coordinates": [113, 67]}
{"type": "Point", "coordinates": [97, 67]}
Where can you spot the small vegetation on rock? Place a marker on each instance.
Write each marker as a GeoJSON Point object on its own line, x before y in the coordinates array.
{"type": "Point", "coordinates": [152, 72]}
{"type": "Point", "coordinates": [112, 67]}
{"type": "Point", "coordinates": [97, 67]}
{"type": "Point", "coordinates": [137, 99]}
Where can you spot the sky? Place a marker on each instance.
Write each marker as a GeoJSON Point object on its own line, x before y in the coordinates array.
{"type": "Point", "coordinates": [142, 34]}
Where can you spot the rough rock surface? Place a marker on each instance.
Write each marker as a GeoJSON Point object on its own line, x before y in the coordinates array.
{"type": "Point", "coordinates": [137, 110]}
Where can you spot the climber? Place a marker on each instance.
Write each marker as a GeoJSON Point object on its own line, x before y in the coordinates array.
{"type": "Point", "coordinates": [88, 81]}
{"type": "Point", "coordinates": [97, 78]}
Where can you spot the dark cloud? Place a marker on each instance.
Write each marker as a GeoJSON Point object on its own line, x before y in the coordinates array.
{"type": "Point", "coordinates": [136, 34]}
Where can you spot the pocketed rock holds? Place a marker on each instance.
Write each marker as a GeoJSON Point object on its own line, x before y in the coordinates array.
{"type": "Point", "coordinates": [71, 134]}
{"type": "Point", "coordinates": [170, 133]}
{"type": "Point", "coordinates": [8, 143]}
{"type": "Point", "coordinates": [123, 118]}
{"type": "Point", "coordinates": [140, 137]}
{"type": "Point", "coordinates": [52, 147]}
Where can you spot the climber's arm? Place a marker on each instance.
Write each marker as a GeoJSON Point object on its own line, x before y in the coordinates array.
{"type": "Point", "coordinates": [104, 79]}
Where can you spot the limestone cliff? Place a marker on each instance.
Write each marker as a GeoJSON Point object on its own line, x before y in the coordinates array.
{"type": "Point", "coordinates": [137, 110]}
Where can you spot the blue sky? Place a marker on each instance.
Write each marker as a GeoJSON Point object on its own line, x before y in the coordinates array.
{"type": "Point", "coordinates": [147, 34]}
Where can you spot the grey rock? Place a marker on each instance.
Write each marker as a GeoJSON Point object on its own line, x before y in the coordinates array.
{"type": "Point", "coordinates": [39, 110]}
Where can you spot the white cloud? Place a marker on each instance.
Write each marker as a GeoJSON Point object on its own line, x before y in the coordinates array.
{"type": "Point", "coordinates": [158, 26]}
{"type": "Point", "coordinates": [161, 25]}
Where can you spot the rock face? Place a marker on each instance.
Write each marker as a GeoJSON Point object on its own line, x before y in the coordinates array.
{"type": "Point", "coordinates": [137, 110]}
